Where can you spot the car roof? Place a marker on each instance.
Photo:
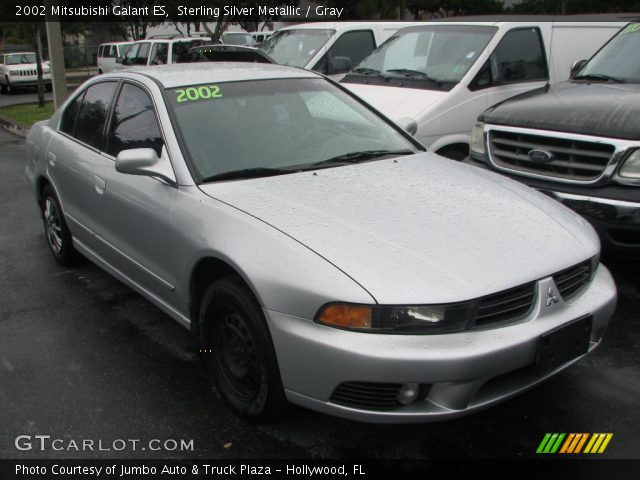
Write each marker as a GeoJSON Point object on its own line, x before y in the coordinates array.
{"type": "Point", "coordinates": [117, 43]}
{"type": "Point", "coordinates": [18, 53]}
{"type": "Point", "coordinates": [170, 76]}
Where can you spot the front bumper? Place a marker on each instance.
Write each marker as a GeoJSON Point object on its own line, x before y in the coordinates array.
{"type": "Point", "coordinates": [465, 371]}
{"type": "Point", "coordinates": [20, 81]}
{"type": "Point", "coordinates": [613, 211]}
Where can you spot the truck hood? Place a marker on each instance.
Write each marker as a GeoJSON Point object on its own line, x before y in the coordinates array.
{"type": "Point", "coordinates": [396, 102]}
{"type": "Point", "coordinates": [589, 108]}
{"type": "Point", "coordinates": [419, 229]}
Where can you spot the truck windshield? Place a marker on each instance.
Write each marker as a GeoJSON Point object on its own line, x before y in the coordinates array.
{"type": "Point", "coordinates": [21, 58]}
{"type": "Point", "coordinates": [296, 47]}
{"type": "Point", "coordinates": [618, 60]}
{"type": "Point", "coordinates": [433, 55]}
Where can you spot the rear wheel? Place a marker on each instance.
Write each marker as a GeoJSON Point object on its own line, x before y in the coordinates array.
{"type": "Point", "coordinates": [56, 230]}
{"type": "Point", "coordinates": [238, 353]}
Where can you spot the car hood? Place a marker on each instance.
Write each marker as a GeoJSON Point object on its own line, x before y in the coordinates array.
{"type": "Point", "coordinates": [419, 229]}
{"type": "Point", "coordinates": [589, 108]}
{"type": "Point", "coordinates": [396, 102]}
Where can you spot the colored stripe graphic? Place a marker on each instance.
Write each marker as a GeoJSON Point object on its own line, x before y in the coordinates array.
{"type": "Point", "coordinates": [573, 443]}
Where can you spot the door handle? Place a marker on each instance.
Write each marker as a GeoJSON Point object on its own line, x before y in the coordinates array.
{"type": "Point", "coordinates": [99, 184]}
{"type": "Point", "coordinates": [52, 159]}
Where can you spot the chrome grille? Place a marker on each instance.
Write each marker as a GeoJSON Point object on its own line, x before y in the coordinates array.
{"type": "Point", "coordinates": [572, 280]}
{"type": "Point", "coordinates": [365, 395]}
{"type": "Point", "coordinates": [570, 159]}
{"type": "Point", "coordinates": [506, 306]}
{"type": "Point", "coordinates": [27, 73]}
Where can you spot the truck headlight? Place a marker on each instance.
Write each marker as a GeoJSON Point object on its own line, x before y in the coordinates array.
{"type": "Point", "coordinates": [631, 166]}
{"type": "Point", "coordinates": [418, 319]}
{"type": "Point", "coordinates": [476, 144]}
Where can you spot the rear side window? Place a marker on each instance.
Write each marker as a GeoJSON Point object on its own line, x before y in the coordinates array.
{"type": "Point", "coordinates": [100, 51]}
{"type": "Point", "coordinates": [68, 123]}
{"type": "Point", "coordinates": [134, 123]}
{"type": "Point", "coordinates": [519, 57]}
{"type": "Point", "coordinates": [93, 113]}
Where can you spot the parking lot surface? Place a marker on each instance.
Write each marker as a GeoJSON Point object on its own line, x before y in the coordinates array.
{"type": "Point", "coordinates": [84, 357]}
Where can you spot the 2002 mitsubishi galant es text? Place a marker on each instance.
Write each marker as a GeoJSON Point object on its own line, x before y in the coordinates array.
{"type": "Point", "coordinates": [318, 253]}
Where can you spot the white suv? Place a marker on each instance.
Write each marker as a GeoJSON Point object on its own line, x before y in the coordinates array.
{"type": "Point", "coordinates": [160, 51]}
{"type": "Point", "coordinates": [20, 70]}
{"type": "Point", "coordinates": [108, 53]}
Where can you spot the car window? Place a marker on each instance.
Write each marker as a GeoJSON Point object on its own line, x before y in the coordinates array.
{"type": "Point", "coordinates": [355, 46]}
{"type": "Point", "coordinates": [68, 122]}
{"type": "Point", "coordinates": [282, 123]}
{"type": "Point", "coordinates": [123, 49]}
{"type": "Point", "coordinates": [93, 113]}
{"type": "Point", "coordinates": [113, 53]}
{"type": "Point", "coordinates": [296, 47]}
{"type": "Point", "coordinates": [519, 57]}
{"type": "Point", "coordinates": [134, 123]}
{"type": "Point", "coordinates": [159, 54]}
{"type": "Point", "coordinates": [137, 54]}
{"type": "Point", "coordinates": [100, 50]}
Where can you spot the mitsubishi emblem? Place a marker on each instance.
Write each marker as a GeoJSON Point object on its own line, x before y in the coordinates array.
{"type": "Point", "coordinates": [551, 297]}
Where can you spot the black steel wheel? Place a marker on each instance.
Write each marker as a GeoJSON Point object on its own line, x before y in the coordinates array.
{"type": "Point", "coordinates": [237, 351]}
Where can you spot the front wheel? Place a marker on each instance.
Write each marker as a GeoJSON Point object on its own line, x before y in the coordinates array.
{"type": "Point", "coordinates": [56, 230]}
{"type": "Point", "coordinates": [9, 88]}
{"type": "Point", "coordinates": [238, 353]}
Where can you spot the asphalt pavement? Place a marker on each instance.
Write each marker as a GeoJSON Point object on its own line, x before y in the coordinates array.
{"type": "Point", "coordinates": [84, 357]}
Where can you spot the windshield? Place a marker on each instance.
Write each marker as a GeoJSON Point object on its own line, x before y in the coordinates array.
{"type": "Point", "coordinates": [21, 58]}
{"type": "Point", "coordinates": [619, 59]}
{"type": "Point", "coordinates": [439, 54]}
{"type": "Point", "coordinates": [238, 39]}
{"type": "Point", "coordinates": [295, 47]}
{"type": "Point", "coordinates": [287, 124]}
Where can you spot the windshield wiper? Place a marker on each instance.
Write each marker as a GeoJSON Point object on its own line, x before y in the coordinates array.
{"type": "Point", "coordinates": [247, 173]}
{"type": "Point", "coordinates": [368, 71]}
{"type": "Point", "coordinates": [355, 157]}
{"type": "Point", "coordinates": [599, 76]}
{"type": "Point", "coordinates": [407, 72]}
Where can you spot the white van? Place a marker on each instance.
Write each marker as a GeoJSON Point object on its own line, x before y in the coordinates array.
{"type": "Point", "coordinates": [439, 76]}
{"type": "Point", "coordinates": [161, 50]}
{"type": "Point", "coordinates": [107, 54]}
{"type": "Point", "coordinates": [331, 48]}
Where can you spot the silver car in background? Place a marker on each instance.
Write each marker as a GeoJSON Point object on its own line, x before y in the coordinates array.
{"type": "Point", "coordinates": [319, 254]}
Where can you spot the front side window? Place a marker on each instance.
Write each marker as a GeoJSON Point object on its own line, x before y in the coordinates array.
{"type": "Point", "coordinates": [159, 54]}
{"type": "Point", "coordinates": [350, 49]}
{"type": "Point", "coordinates": [137, 54]}
{"type": "Point", "coordinates": [288, 124]}
{"type": "Point", "coordinates": [428, 57]}
{"type": "Point", "coordinates": [134, 123]}
{"type": "Point", "coordinates": [93, 113]}
{"type": "Point", "coordinates": [296, 47]}
{"type": "Point", "coordinates": [618, 60]}
{"type": "Point", "coordinates": [124, 48]}
{"type": "Point", "coordinates": [519, 57]}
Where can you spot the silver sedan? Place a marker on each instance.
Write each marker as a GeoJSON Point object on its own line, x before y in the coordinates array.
{"type": "Point", "coordinates": [318, 253]}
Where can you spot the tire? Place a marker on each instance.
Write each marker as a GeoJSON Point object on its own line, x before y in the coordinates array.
{"type": "Point", "coordinates": [238, 353]}
{"type": "Point", "coordinates": [48, 87]}
{"type": "Point", "coordinates": [3, 88]}
{"type": "Point", "coordinates": [56, 230]}
{"type": "Point", "coordinates": [9, 90]}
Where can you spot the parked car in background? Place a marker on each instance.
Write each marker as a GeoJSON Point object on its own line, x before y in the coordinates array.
{"type": "Point", "coordinates": [19, 69]}
{"type": "Point", "coordinates": [237, 38]}
{"type": "Point", "coordinates": [319, 254]}
{"type": "Point", "coordinates": [161, 50]}
{"type": "Point", "coordinates": [331, 48]}
{"type": "Point", "coordinates": [578, 141]}
{"type": "Point", "coordinates": [228, 53]}
{"type": "Point", "coordinates": [442, 75]}
{"type": "Point", "coordinates": [108, 53]}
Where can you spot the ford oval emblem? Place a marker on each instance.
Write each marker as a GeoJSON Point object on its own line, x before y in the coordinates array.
{"type": "Point", "coordinates": [540, 156]}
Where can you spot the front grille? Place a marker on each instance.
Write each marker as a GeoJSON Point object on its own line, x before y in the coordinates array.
{"type": "Point", "coordinates": [27, 73]}
{"type": "Point", "coordinates": [570, 159]}
{"type": "Point", "coordinates": [572, 280]}
{"type": "Point", "coordinates": [365, 395]}
{"type": "Point", "coordinates": [506, 306]}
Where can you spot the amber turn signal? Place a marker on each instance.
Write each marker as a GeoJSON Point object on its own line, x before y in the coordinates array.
{"type": "Point", "coordinates": [346, 316]}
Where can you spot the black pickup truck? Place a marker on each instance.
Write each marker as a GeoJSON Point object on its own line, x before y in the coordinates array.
{"type": "Point", "coordinates": [578, 141]}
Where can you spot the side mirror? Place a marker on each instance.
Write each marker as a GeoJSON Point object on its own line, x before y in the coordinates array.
{"type": "Point", "coordinates": [340, 65]}
{"type": "Point", "coordinates": [120, 60]}
{"type": "Point", "coordinates": [409, 125]}
{"type": "Point", "coordinates": [576, 67]}
{"type": "Point", "coordinates": [145, 162]}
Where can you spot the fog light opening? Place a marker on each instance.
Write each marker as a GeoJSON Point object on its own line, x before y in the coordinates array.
{"type": "Point", "coordinates": [408, 393]}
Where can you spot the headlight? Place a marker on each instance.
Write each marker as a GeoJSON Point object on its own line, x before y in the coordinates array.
{"type": "Point", "coordinates": [12, 72]}
{"type": "Point", "coordinates": [419, 319]}
{"type": "Point", "coordinates": [476, 145]}
{"type": "Point", "coordinates": [631, 166]}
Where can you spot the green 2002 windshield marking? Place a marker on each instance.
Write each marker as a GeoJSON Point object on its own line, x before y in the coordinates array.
{"type": "Point", "coordinates": [634, 27]}
{"type": "Point", "coordinates": [197, 93]}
